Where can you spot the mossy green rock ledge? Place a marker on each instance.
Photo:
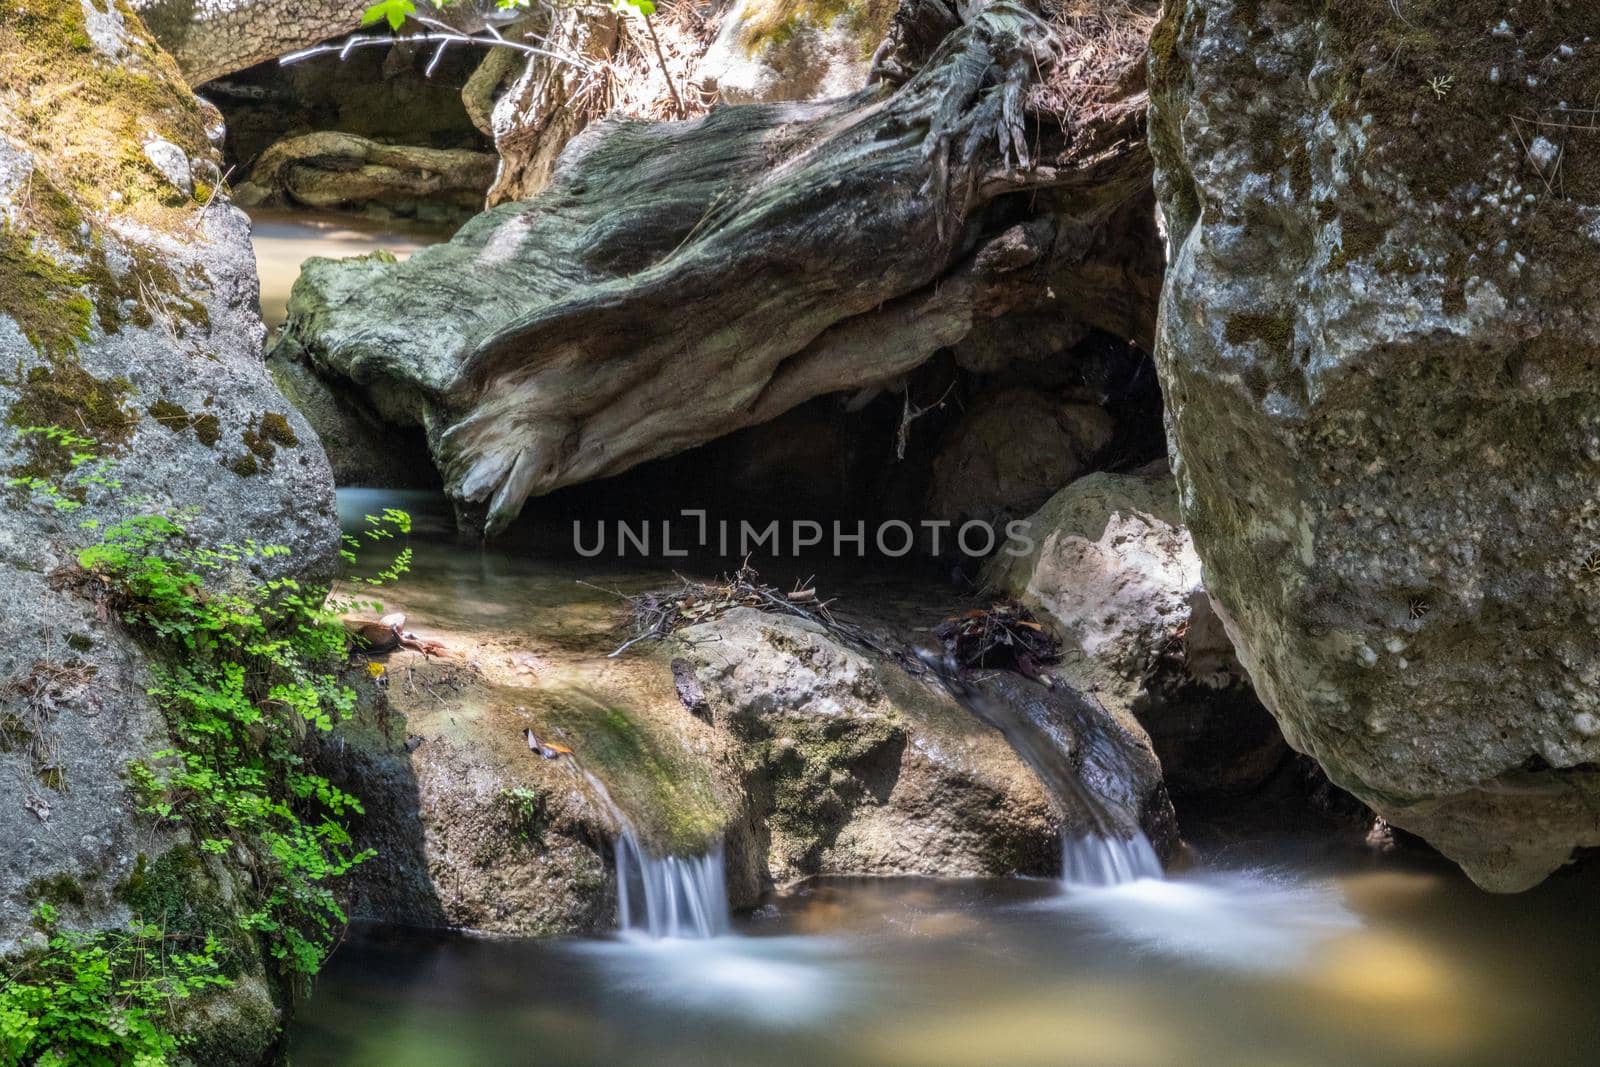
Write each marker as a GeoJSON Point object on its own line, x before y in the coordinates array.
{"type": "Point", "coordinates": [127, 318]}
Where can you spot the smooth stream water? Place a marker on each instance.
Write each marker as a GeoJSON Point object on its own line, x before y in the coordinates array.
{"type": "Point", "coordinates": [1285, 964]}
{"type": "Point", "coordinates": [285, 240]}
{"type": "Point", "coordinates": [1284, 955]}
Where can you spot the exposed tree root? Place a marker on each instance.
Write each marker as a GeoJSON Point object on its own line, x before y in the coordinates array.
{"type": "Point", "coordinates": [680, 281]}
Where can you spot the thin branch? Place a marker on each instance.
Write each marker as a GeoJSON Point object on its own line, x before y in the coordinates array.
{"type": "Point", "coordinates": [661, 58]}
{"type": "Point", "coordinates": [440, 37]}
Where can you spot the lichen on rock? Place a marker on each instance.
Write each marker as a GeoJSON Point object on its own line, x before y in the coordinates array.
{"type": "Point", "coordinates": [123, 303]}
{"type": "Point", "coordinates": [1378, 347]}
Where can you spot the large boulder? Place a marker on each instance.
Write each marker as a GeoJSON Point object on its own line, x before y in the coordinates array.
{"type": "Point", "coordinates": [793, 49]}
{"type": "Point", "coordinates": [473, 830]}
{"type": "Point", "coordinates": [128, 318]}
{"type": "Point", "coordinates": [1378, 344]}
{"type": "Point", "coordinates": [856, 766]}
{"type": "Point", "coordinates": [1110, 568]}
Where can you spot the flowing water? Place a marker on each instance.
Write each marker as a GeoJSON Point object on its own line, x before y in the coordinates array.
{"type": "Point", "coordinates": [1284, 964]}
{"type": "Point", "coordinates": [665, 896]}
{"type": "Point", "coordinates": [285, 240]}
{"type": "Point", "coordinates": [1284, 954]}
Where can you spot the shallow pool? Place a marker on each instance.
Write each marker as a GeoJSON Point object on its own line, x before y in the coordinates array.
{"type": "Point", "coordinates": [1280, 963]}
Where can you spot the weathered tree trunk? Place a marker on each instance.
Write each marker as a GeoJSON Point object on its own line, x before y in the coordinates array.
{"type": "Point", "coordinates": [549, 102]}
{"type": "Point", "coordinates": [680, 281]}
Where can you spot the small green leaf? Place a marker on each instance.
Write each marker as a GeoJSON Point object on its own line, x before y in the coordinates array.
{"type": "Point", "coordinates": [394, 11]}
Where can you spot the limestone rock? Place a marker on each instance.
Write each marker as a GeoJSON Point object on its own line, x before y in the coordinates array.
{"type": "Point", "coordinates": [171, 163]}
{"type": "Point", "coordinates": [1378, 346]}
{"type": "Point", "coordinates": [1012, 450]}
{"type": "Point", "coordinates": [127, 317]}
{"type": "Point", "coordinates": [857, 767]}
{"type": "Point", "coordinates": [767, 50]}
{"type": "Point", "coordinates": [1113, 572]}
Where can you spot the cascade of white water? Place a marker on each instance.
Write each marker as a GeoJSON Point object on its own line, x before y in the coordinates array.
{"type": "Point", "coordinates": [670, 896]}
{"type": "Point", "coordinates": [1113, 850]}
{"type": "Point", "coordinates": [1102, 860]}
{"type": "Point", "coordinates": [665, 896]}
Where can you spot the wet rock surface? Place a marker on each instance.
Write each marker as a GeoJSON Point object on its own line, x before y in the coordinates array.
{"type": "Point", "coordinates": [799, 753]}
{"type": "Point", "coordinates": [1378, 347]}
{"type": "Point", "coordinates": [856, 767]}
{"type": "Point", "coordinates": [1115, 574]}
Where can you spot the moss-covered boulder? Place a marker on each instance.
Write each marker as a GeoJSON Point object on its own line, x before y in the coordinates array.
{"type": "Point", "coordinates": [131, 382]}
{"type": "Point", "coordinates": [1380, 350]}
{"type": "Point", "coordinates": [768, 50]}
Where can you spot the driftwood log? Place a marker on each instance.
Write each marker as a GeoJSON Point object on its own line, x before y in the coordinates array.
{"type": "Point", "coordinates": [331, 169]}
{"type": "Point", "coordinates": [679, 281]}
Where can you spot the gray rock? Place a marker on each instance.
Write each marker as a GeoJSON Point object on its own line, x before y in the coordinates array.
{"type": "Point", "coordinates": [106, 29]}
{"type": "Point", "coordinates": [132, 324]}
{"type": "Point", "coordinates": [759, 58]}
{"type": "Point", "coordinates": [1377, 345]}
{"type": "Point", "coordinates": [1113, 572]}
{"type": "Point", "coordinates": [172, 163]}
{"type": "Point", "coordinates": [1011, 450]}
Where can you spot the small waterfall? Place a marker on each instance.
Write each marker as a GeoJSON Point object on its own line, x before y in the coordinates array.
{"type": "Point", "coordinates": [1116, 850]}
{"type": "Point", "coordinates": [665, 896]}
{"type": "Point", "coordinates": [670, 896]}
{"type": "Point", "coordinates": [1102, 861]}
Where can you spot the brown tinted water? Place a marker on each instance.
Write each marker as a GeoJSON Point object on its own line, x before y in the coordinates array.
{"type": "Point", "coordinates": [1289, 952]}
{"type": "Point", "coordinates": [1285, 956]}
{"type": "Point", "coordinates": [284, 240]}
{"type": "Point", "coordinates": [1271, 964]}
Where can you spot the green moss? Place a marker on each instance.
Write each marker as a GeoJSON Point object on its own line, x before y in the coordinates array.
{"type": "Point", "coordinates": [93, 115]}
{"type": "Point", "coordinates": [174, 417]}
{"type": "Point", "coordinates": [271, 430]}
{"type": "Point", "coordinates": [80, 642]}
{"type": "Point", "coordinates": [1300, 172]}
{"type": "Point", "coordinates": [62, 890]}
{"type": "Point", "coordinates": [245, 466]}
{"type": "Point", "coordinates": [14, 733]}
{"type": "Point", "coordinates": [64, 394]}
{"type": "Point", "coordinates": [208, 428]}
{"type": "Point", "coordinates": [668, 794]}
{"type": "Point", "coordinates": [274, 427]}
{"type": "Point", "coordinates": [1274, 331]}
{"type": "Point", "coordinates": [527, 814]}
{"type": "Point", "coordinates": [819, 771]}
{"type": "Point", "coordinates": [45, 298]}
{"type": "Point", "coordinates": [179, 894]}
{"type": "Point", "coordinates": [1359, 237]}
{"type": "Point", "coordinates": [1165, 58]}
{"type": "Point", "coordinates": [775, 23]}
